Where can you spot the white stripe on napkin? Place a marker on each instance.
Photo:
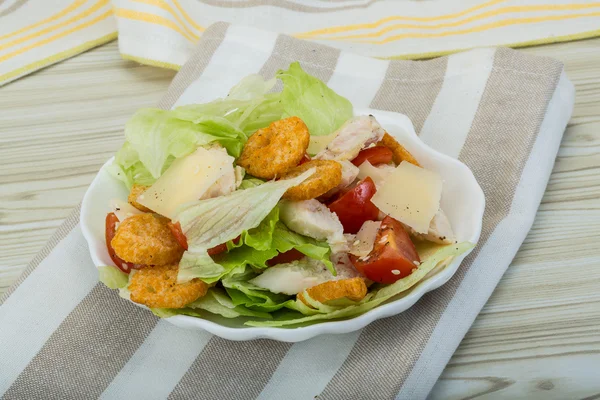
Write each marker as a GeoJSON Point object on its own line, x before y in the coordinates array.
{"type": "Point", "coordinates": [243, 51]}
{"type": "Point", "coordinates": [158, 364]}
{"type": "Point", "coordinates": [456, 104]}
{"type": "Point", "coordinates": [292, 380]}
{"type": "Point", "coordinates": [527, 198]}
{"type": "Point", "coordinates": [41, 303]}
{"type": "Point", "coordinates": [358, 78]}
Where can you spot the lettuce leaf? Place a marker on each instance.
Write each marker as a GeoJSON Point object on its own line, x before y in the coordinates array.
{"type": "Point", "coordinates": [217, 301]}
{"type": "Point", "coordinates": [154, 137]}
{"type": "Point", "coordinates": [248, 105]}
{"type": "Point", "coordinates": [242, 292]}
{"type": "Point", "coordinates": [377, 296]}
{"type": "Point", "coordinates": [322, 110]}
{"type": "Point", "coordinates": [282, 240]}
{"type": "Point", "coordinates": [261, 237]}
{"type": "Point", "coordinates": [112, 277]}
{"type": "Point", "coordinates": [208, 223]}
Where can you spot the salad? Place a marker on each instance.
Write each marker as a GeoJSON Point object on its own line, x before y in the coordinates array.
{"type": "Point", "coordinates": [281, 208]}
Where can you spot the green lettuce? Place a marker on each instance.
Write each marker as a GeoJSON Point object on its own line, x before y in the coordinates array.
{"type": "Point", "coordinates": [112, 277]}
{"type": "Point", "coordinates": [208, 223]}
{"type": "Point", "coordinates": [377, 295]}
{"type": "Point", "coordinates": [248, 105]}
{"type": "Point", "coordinates": [322, 110]}
{"type": "Point", "coordinates": [242, 292]}
{"type": "Point", "coordinates": [154, 137]}
{"type": "Point", "coordinates": [282, 240]}
{"type": "Point", "coordinates": [216, 301]}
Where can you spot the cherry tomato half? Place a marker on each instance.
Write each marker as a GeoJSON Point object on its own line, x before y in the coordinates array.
{"type": "Point", "coordinates": [393, 256]}
{"type": "Point", "coordinates": [178, 233]}
{"type": "Point", "coordinates": [374, 155]}
{"type": "Point", "coordinates": [110, 229]}
{"type": "Point", "coordinates": [182, 240]}
{"type": "Point", "coordinates": [288, 256]}
{"type": "Point", "coordinates": [354, 207]}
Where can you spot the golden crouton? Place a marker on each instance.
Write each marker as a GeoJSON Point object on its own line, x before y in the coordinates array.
{"type": "Point", "coordinates": [272, 151]}
{"type": "Point", "coordinates": [146, 239]}
{"type": "Point", "coordinates": [400, 153]}
{"type": "Point", "coordinates": [327, 175]}
{"type": "Point", "coordinates": [157, 287]}
{"type": "Point", "coordinates": [136, 191]}
{"type": "Point", "coordinates": [353, 289]}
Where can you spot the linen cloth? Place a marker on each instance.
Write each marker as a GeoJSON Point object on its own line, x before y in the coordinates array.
{"type": "Point", "coordinates": [65, 335]}
{"type": "Point", "coordinates": [37, 33]}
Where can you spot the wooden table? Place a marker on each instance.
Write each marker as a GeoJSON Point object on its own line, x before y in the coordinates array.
{"type": "Point", "coordinates": [538, 337]}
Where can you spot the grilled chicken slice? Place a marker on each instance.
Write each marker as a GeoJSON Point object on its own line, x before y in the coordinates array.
{"type": "Point", "coordinates": [297, 276]}
{"type": "Point", "coordinates": [313, 219]}
{"type": "Point", "coordinates": [356, 134]}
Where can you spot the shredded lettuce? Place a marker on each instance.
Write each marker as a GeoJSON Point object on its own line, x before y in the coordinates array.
{"type": "Point", "coordinates": [248, 105]}
{"type": "Point", "coordinates": [242, 292]}
{"type": "Point", "coordinates": [154, 137]}
{"type": "Point", "coordinates": [248, 183]}
{"type": "Point", "coordinates": [322, 110]}
{"type": "Point", "coordinates": [261, 237]}
{"type": "Point", "coordinates": [208, 223]}
{"type": "Point", "coordinates": [216, 301]}
{"type": "Point", "coordinates": [376, 296]}
{"type": "Point", "coordinates": [282, 240]}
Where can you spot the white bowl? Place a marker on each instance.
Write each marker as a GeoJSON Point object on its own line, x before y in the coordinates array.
{"type": "Point", "coordinates": [462, 200]}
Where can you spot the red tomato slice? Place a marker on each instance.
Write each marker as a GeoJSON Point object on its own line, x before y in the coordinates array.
{"type": "Point", "coordinates": [221, 248]}
{"type": "Point", "coordinates": [305, 159]}
{"type": "Point", "coordinates": [182, 240]}
{"type": "Point", "coordinates": [178, 233]}
{"type": "Point", "coordinates": [374, 155]}
{"type": "Point", "coordinates": [288, 256]}
{"type": "Point", "coordinates": [354, 207]}
{"type": "Point", "coordinates": [393, 257]}
{"type": "Point", "coordinates": [218, 249]}
{"type": "Point", "coordinates": [110, 229]}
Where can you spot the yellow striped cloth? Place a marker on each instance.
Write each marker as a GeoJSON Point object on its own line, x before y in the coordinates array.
{"type": "Point", "coordinates": [36, 33]}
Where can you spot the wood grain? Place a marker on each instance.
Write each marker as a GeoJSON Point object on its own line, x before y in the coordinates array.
{"type": "Point", "coordinates": [57, 127]}
{"type": "Point", "coordinates": [538, 337]}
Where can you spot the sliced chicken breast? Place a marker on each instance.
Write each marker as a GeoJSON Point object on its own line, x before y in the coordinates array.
{"type": "Point", "coordinates": [297, 276]}
{"type": "Point", "coordinates": [355, 135]}
{"type": "Point", "coordinates": [313, 219]}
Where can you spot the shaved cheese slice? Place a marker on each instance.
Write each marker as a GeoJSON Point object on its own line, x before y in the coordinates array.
{"type": "Point", "coordinates": [187, 179]}
{"type": "Point", "coordinates": [411, 195]}
{"type": "Point", "coordinates": [365, 239]}
{"type": "Point", "coordinates": [319, 143]}
{"type": "Point", "coordinates": [378, 174]}
{"type": "Point", "coordinates": [123, 209]}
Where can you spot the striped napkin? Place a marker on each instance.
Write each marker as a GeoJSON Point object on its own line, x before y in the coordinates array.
{"type": "Point", "coordinates": [164, 33]}
{"type": "Point", "coordinates": [64, 335]}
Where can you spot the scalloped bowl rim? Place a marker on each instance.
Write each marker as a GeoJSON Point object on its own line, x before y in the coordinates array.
{"type": "Point", "coordinates": [470, 195]}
